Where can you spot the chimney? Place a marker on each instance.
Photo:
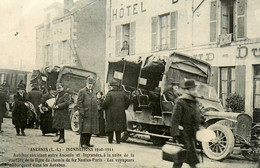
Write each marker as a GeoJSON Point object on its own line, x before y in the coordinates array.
{"type": "Point", "coordinates": [68, 4]}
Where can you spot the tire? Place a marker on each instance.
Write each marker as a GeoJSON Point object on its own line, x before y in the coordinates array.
{"type": "Point", "coordinates": [124, 136]}
{"type": "Point", "coordinates": [222, 146]}
{"type": "Point", "coordinates": [158, 141]}
{"type": "Point", "coordinates": [74, 123]}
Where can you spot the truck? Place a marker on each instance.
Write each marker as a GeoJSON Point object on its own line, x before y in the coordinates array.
{"type": "Point", "coordinates": [140, 77]}
{"type": "Point", "coordinates": [73, 79]}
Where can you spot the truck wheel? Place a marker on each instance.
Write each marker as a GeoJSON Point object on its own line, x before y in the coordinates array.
{"type": "Point", "coordinates": [158, 141]}
{"type": "Point", "coordinates": [220, 147]}
{"type": "Point", "coordinates": [74, 123]}
{"type": "Point", "coordinates": [124, 136]}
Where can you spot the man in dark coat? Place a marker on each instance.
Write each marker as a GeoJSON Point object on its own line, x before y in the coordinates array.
{"type": "Point", "coordinates": [88, 113]}
{"type": "Point", "coordinates": [35, 96]}
{"type": "Point", "coordinates": [61, 119]}
{"type": "Point", "coordinates": [19, 115]}
{"type": "Point", "coordinates": [2, 106]}
{"type": "Point", "coordinates": [171, 93]}
{"type": "Point", "coordinates": [186, 115]}
{"type": "Point", "coordinates": [115, 104]}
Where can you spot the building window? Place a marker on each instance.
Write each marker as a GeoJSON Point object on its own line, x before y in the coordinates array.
{"type": "Point", "coordinates": [48, 55]}
{"type": "Point", "coordinates": [233, 19]}
{"type": "Point", "coordinates": [164, 31]}
{"type": "Point", "coordinates": [257, 87]}
{"type": "Point", "coordinates": [227, 83]}
{"type": "Point", "coordinates": [125, 39]}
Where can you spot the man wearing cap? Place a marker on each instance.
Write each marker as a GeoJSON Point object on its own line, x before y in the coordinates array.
{"type": "Point", "coordinates": [61, 120]}
{"type": "Point", "coordinates": [186, 113]}
{"type": "Point", "coordinates": [19, 115]}
{"type": "Point", "coordinates": [88, 113]}
{"type": "Point", "coordinates": [115, 104]}
{"type": "Point", "coordinates": [171, 93]}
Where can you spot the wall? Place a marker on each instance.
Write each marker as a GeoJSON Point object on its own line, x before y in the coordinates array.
{"type": "Point", "coordinates": [90, 37]}
{"type": "Point", "coordinates": [193, 36]}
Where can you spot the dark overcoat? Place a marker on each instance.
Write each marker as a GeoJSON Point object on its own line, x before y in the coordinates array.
{"type": "Point", "coordinates": [115, 104]}
{"type": "Point", "coordinates": [186, 113]}
{"type": "Point", "coordinates": [19, 115]}
{"type": "Point", "coordinates": [35, 97]}
{"type": "Point", "coordinates": [61, 119]}
{"type": "Point", "coordinates": [88, 110]}
{"type": "Point", "coordinates": [2, 105]}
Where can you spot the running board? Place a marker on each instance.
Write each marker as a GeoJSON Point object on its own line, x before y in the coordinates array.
{"type": "Point", "coordinates": [147, 133]}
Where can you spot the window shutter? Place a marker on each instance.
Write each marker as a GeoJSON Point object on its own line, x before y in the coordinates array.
{"type": "Point", "coordinates": [240, 13]}
{"type": "Point", "coordinates": [240, 73]}
{"type": "Point", "coordinates": [214, 77]}
{"type": "Point", "coordinates": [154, 33]}
{"type": "Point", "coordinates": [224, 17]}
{"type": "Point", "coordinates": [132, 38]}
{"type": "Point", "coordinates": [118, 40]}
{"type": "Point", "coordinates": [173, 29]}
{"type": "Point", "coordinates": [213, 21]}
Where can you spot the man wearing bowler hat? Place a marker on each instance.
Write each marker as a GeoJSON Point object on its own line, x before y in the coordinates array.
{"type": "Point", "coordinates": [19, 115]}
{"type": "Point", "coordinates": [186, 113]}
{"type": "Point", "coordinates": [115, 104]}
{"type": "Point", "coordinates": [88, 113]}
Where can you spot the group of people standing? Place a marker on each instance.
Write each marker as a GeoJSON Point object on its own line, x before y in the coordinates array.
{"type": "Point", "coordinates": [90, 111]}
{"type": "Point", "coordinates": [97, 115]}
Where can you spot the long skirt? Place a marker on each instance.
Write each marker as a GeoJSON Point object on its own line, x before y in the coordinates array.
{"type": "Point", "coordinates": [46, 123]}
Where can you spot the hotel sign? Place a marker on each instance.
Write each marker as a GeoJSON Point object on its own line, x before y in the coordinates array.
{"type": "Point", "coordinates": [128, 10]}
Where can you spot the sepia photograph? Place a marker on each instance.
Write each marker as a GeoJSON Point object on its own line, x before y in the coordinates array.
{"type": "Point", "coordinates": [129, 83]}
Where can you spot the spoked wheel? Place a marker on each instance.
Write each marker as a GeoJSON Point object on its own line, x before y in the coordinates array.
{"type": "Point", "coordinates": [220, 147]}
{"type": "Point", "coordinates": [75, 121]}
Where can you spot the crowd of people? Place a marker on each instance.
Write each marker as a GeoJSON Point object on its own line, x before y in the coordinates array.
{"type": "Point", "coordinates": [97, 115]}
{"type": "Point", "coordinates": [104, 116]}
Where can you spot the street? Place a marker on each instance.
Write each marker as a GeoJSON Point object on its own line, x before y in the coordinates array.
{"type": "Point", "coordinates": [34, 150]}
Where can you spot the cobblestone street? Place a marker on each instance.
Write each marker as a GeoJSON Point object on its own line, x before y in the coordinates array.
{"type": "Point", "coordinates": [34, 150]}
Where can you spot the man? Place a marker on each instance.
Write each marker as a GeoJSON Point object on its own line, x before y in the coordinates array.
{"type": "Point", "coordinates": [61, 119]}
{"type": "Point", "coordinates": [88, 113]}
{"type": "Point", "coordinates": [125, 48]}
{"type": "Point", "coordinates": [35, 96]}
{"type": "Point", "coordinates": [2, 106]}
{"type": "Point", "coordinates": [115, 104]}
{"type": "Point", "coordinates": [19, 115]}
{"type": "Point", "coordinates": [171, 93]}
{"type": "Point", "coordinates": [186, 113]}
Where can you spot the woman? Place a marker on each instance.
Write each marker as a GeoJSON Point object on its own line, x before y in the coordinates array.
{"type": "Point", "coordinates": [61, 118]}
{"type": "Point", "coordinates": [46, 116]}
{"type": "Point", "coordinates": [101, 114]}
{"type": "Point", "coordinates": [19, 115]}
{"type": "Point", "coordinates": [115, 104]}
